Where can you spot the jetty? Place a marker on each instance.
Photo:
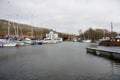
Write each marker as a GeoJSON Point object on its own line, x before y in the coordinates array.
{"type": "Point", "coordinates": [104, 52]}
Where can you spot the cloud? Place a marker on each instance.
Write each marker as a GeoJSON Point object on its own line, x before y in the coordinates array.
{"type": "Point", "coordinates": [63, 15]}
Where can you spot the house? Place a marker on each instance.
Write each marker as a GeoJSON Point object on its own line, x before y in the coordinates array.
{"type": "Point", "coordinates": [52, 35]}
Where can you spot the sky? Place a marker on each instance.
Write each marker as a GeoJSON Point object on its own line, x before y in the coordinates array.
{"type": "Point", "coordinates": [67, 16]}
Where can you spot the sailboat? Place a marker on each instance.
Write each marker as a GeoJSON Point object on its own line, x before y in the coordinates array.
{"type": "Point", "coordinates": [87, 40]}
{"type": "Point", "coordinates": [7, 42]}
{"type": "Point", "coordinates": [19, 41]}
{"type": "Point", "coordinates": [29, 41]}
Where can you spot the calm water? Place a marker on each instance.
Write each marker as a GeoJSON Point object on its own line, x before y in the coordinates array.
{"type": "Point", "coordinates": [64, 61]}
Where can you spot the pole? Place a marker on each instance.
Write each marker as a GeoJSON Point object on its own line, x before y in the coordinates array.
{"type": "Point", "coordinates": [8, 28]}
{"type": "Point", "coordinates": [41, 33]}
{"type": "Point", "coordinates": [111, 27]}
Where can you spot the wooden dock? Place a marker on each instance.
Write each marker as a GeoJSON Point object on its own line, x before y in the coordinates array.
{"type": "Point", "coordinates": [104, 52]}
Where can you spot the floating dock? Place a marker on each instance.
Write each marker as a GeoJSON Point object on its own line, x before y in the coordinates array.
{"type": "Point", "coordinates": [112, 54]}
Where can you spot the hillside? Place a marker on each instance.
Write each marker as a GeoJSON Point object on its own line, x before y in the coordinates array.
{"type": "Point", "coordinates": [25, 30]}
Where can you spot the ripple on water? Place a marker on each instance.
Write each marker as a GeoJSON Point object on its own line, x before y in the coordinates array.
{"type": "Point", "coordinates": [64, 61]}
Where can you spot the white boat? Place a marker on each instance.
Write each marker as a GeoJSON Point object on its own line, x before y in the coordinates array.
{"type": "Point", "coordinates": [87, 41]}
{"type": "Point", "coordinates": [74, 40]}
{"type": "Point", "coordinates": [59, 40]}
{"type": "Point", "coordinates": [1, 40]}
{"type": "Point", "coordinates": [8, 44]}
{"type": "Point", "coordinates": [44, 41]}
{"type": "Point", "coordinates": [49, 41]}
{"type": "Point", "coordinates": [28, 41]}
{"type": "Point", "coordinates": [52, 41]}
{"type": "Point", "coordinates": [20, 43]}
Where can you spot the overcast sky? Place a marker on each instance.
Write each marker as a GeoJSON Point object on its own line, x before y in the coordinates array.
{"type": "Point", "coordinates": [63, 15]}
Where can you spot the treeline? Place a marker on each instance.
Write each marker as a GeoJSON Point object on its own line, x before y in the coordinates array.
{"type": "Point", "coordinates": [26, 30]}
{"type": "Point", "coordinates": [96, 34]}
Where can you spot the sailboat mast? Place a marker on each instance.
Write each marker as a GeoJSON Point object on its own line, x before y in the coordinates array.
{"type": "Point", "coordinates": [32, 27]}
{"type": "Point", "coordinates": [17, 30]}
{"type": "Point", "coordinates": [21, 32]}
{"type": "Point", "coordinates": [32, 31]}
{"type": "Point", "coordinates": [104, 34]}
{"type": "Point", "coordinates": [14, 28]}
{"type": "Point", "coordinates": [41, 34]}
{"type": "Point", "coordinates": [8, 29]}
{"type": "Point", "coordinates": [111, 27]}
{"type": "Point", "coordinates": [17, 26]}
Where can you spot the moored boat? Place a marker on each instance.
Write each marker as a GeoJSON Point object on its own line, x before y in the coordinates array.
{"type": "Point", "coordinates": [87, 41]}
{"type": "Point", "coordinates": [49, 41]}
{"type": "Point", "coordinates": [28, 41]}
{"type": "Point", "coordinates": [8, 44]}
{"type": "Point", "coordinates": [20, 43]}
{"type": "Point", "coordinates": [114, 41]}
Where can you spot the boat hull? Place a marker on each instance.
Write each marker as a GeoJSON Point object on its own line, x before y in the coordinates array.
{"type": "Point", "coordinates": [8, 44]}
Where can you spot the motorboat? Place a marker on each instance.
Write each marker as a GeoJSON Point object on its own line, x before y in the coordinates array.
{"type": "Point", "coordinates": [87, 41]}
{"type": "Point", "coordinates": [113, 41]}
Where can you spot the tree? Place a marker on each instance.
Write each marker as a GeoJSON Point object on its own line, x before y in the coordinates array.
{"type": "Point", "coordinates": [96, 34]}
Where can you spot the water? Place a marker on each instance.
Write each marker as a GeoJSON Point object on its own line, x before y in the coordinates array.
{"type": "Point", "coordinates": [64, 61]}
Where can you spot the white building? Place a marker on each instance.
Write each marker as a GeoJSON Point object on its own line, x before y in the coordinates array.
{"type": "Point", "coordinates": [52, 35]}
